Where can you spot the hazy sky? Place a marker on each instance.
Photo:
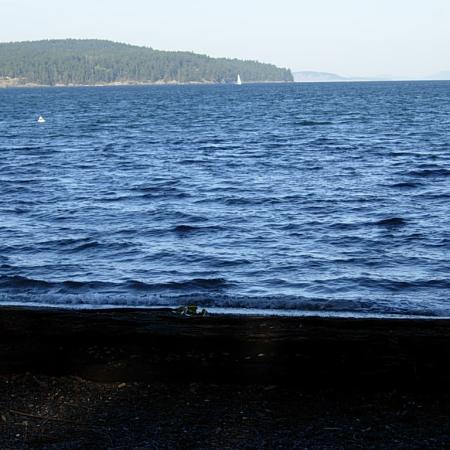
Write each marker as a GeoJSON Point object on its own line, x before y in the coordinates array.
{"type": "Point", "coordinates": [350, 37]}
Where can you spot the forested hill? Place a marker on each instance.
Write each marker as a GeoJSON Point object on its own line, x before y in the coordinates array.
{"type": "Point", "coordinates": [90, 62]}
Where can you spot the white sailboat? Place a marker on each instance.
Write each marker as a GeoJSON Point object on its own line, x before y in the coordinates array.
{"type": "Point", "coordinates": [239, 81]}
{"type": "Point", "coordinates": [41, 119]}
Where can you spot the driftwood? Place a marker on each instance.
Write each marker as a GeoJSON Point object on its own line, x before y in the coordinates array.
{"type": "Point", "coordinates": [37, 417]}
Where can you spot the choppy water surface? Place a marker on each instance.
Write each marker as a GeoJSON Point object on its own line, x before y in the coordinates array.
{"type": "Point", "coordinates": [330, 197]}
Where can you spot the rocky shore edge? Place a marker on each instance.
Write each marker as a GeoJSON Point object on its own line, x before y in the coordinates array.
{"type": "Point", "coordinates": [146, 344]}
{"type": "Point", "coordinates": [18, 83]}
{"type": "Point", "coordinates": [179, 379]}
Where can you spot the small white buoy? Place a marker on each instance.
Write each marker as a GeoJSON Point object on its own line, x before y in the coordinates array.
{"type": "Point", "coordinates": [41, 120]}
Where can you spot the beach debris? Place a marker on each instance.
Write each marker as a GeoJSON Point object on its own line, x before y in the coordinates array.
{"type": "Point", "coordinates": [191, 311]}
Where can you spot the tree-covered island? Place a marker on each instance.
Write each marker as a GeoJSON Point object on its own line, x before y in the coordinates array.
{"type": "Point", "coordinates": [72, 62]}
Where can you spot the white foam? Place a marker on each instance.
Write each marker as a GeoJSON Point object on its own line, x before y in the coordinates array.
{"type": "Point", "coordinates": [249, 312]}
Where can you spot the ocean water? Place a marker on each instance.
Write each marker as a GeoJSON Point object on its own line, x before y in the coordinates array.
{"type": "Point", "coordinates": [330, 198]}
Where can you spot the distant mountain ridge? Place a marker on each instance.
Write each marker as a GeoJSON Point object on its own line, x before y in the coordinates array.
{"type": "Point", "coordinates": [310, 76]}
{"type": "Point", "coordinates": [92, 62]}
{"type": "Point", "coordinates": [322, 77]}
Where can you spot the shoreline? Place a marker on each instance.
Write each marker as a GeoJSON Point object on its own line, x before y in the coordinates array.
{"type": "Point", "coordinates": [8, 86]}
{"type": "Point", "coordinates": [155, 344]}
{"type": "Point", "coordinates": [227, 311]}
{"type": "Point", "coordinates": [115, 379]}
{"type": "Point", "coordinates": [133, 84]}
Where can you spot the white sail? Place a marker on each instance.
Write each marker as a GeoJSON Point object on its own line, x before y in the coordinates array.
{"type": "Point", "coordinates": [239, 81]}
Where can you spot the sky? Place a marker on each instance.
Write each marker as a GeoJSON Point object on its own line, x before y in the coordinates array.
{"type": "Point", "coordinates": [400, 38]}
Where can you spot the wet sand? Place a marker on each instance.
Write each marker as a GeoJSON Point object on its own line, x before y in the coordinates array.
{"type": "Point", "coordinates": [160, 379]}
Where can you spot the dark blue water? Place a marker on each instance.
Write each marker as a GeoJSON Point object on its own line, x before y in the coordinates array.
{"type": "Point", "coordinates": [312, 197]}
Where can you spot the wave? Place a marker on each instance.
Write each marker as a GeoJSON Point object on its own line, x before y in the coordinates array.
{"type": "Point", "coordinates": [195, 283]}
{"type": "Point", "coordinates": [8, 282]}
{"type": "Point", "coordinates": [22, 282]}
{"type": "Point", "coordinates": [391, 222]}
{"type": "Point", "coordinates": [154, 188]}
{"type": "Point", "coordinates": [186, 229]}
{"type": "Point", "coordinates": [14, 281]}
{"type": "Point", "coordinates": [401, 296]}
{"type": "Point", "coordinates": [406, 185]}
{"type": "Point", "coordinates": [312, 123]}
{"type": "Point", "coordinates": [430, 173]}
{"type": "Point", "coordinates": [80, 245]}
{"type": "Point", "coordinates": [276, 303]}
{"type": "Point", "coordinates": [387, 284]}
{"type": "Point", "coordinates": [86, 246]}
{"type": "Point", "coordinates": [253, 200]}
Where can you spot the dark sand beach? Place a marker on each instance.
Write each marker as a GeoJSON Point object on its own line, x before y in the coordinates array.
{"type": "Point", "coordinates": [161, 379]}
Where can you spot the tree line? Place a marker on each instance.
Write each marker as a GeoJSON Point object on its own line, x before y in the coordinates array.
{"type": "Point", "coordinates": [89, 62]}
